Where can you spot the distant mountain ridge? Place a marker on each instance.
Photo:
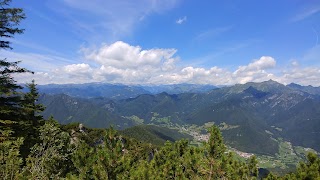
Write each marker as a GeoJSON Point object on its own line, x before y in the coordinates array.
{"type": "Point", "coordinates": [309, 89]}
{"type": "Point", "coordinates": [259, 113]}
{"type": "Point", "coordinates": [119, 91]}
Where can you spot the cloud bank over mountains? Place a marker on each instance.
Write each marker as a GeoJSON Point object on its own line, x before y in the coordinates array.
{"type": "Point", "coordinates": [121, 62]}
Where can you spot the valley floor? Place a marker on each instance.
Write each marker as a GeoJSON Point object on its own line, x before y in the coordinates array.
{"type": "Point", "coordinates": [282, 162]}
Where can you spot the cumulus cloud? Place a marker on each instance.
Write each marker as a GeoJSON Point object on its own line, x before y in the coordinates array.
{"type": "Point", "coordinates": [123, 55]}
{"type": "Point", "coordinates": [265, 62]}
{"type": "Point", "coordinates": [181, 20]}
{"type": "Point", "coordinates": [301, 75]}
{"type": "Point", "coordinates": [78, 69]}
{"type": "Point", "coordinates": [255, 71]}
{"type": "Point", "coordinates": [120, 62]}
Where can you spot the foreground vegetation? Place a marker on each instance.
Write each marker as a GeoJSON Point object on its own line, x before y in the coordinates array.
{"type": "Point", "coordinates": [73, 152]}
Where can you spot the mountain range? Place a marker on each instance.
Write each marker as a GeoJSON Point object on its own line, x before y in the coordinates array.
{"type": "Point", "coordinates": [253, 115]}
{"type": "Point", "coordinates": [119, 91]}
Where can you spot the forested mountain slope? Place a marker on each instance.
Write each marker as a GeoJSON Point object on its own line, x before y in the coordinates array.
{"type": "Point", "coordinates": [258, 112]}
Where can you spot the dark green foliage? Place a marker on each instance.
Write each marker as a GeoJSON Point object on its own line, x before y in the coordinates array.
{"type": "Point", "coordinates": [253, 162]}
{"type": "Point", "coordinates": [119, 158]}
{"type": "Point", "coordinates": [154, 134]}
{"type": "Point", "coordinates": [181, 161]}
{"type": "Point", "coordinates": [309, 170]}
{"type": "Point", "coordinates": [32, 109]}
{"type": "Point", "coordinates": [10, 160]}
{"type": "Point", "coordinates": [125, 158]}
{"type": "Point", "coordinates": [9, 20]}
{"type": "Point", "coordinates": [109, 160]}
{"type": "Point", "coordinates": [90, 136]}
{"type": "Point", "coordinates": [13, 122]}
{"type": "Point", "coordinates": [50, 158]}
{"type": "Point", "coordinates": [215, 144]}
{"type": "Point", "coordinates": [11, 111]}
{"type": "Point", "coordinates": [33, 120]}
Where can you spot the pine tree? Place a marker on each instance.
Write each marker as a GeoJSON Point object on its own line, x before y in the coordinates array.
{"type": "Point", "coordinates": [31, 107]}
{"type": "Point", "coordinates": [9, 20]}
{"type": "Point", "coordinates": [10, 160]}
{"type": "Point", "coordinates": [215, 149]}
{"type": "Point", "coordinates": [252, 165]}
{"type": "Point", "coordinates": [49, 159]}
{"type": "Point", "coordinates": [33, 120]}
{"type": "Point", "coordinates": [309, 170]}
{"type": "Point", "coordinates": [10, 98]}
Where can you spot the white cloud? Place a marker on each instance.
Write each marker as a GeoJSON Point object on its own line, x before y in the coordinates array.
{"type": "Point", "coordinates": [312, 55]}
{"type": "Point", "coordinates": [265, 62]}
{"type": "Point", "coordinates": [255, 71]}
{"type": "Point", "coordinates": [111, 18]}
{"type": "Point", "coordinates": [120, 55]}
{"type": "Point", "coordinates": [301, 75]}
{"type": "Point", "coordinates": [39, 77]}
{"type": "Point", "coordinates": [306, 14]}
{"type": "Point", "coordinates": [210, 33]}
{"type": "Point", "coordinates": [77, 68]}
{"type": "Point", "coordinates": [36, 62]}
{"type": "Point", "coordinates": [123, 63]}
{"type": "Point", "coordinates": [181, 20]}
{"type": "Point", "coordinates": [295, 63]}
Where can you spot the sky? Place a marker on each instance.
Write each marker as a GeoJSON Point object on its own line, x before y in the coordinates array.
{"type": "Point", "coordinates": [168, 41]}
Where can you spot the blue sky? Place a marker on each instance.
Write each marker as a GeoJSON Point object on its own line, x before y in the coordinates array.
{"type": "Point", "coordinates": [169, 41]}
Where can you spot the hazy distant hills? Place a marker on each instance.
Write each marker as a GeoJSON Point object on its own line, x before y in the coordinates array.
{"type": "Point", "coordinates": [91, 90]}
{"type": "Point", "coordinates": [256, 114]}
{"type": "Point", "coordinates": [179, 88]}
{"type": "Point", "coordinates": [119, 91]}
